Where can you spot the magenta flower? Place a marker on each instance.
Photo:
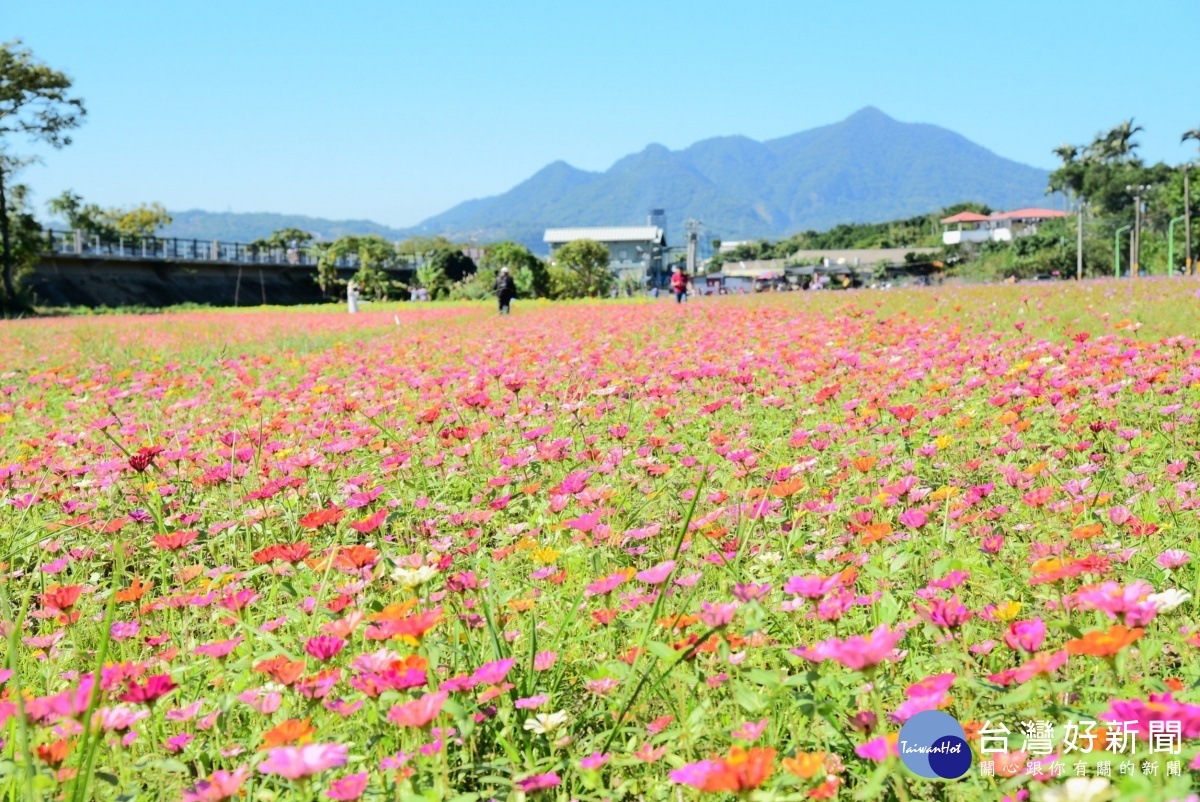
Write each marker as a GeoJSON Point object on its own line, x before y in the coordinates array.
{"type": "Point", "coordinates": [150, 691]}
{"type": "Point", "coordinates": [324, 647]}
{"type": "Point", "coordinates": [878, 749]}
{"type": "Point", "coordinates": [1025, 635]}
{"type": "Point", "coordinates": [948, 614]}
{"type": "Point", "coordinates": [594, 761]}
{"type": "Point", "coordinates": [693, 774]}
{"type": "Point", "coordinates": [913, 518]}
{"type": "Point", "coordinates": [492, 673]}
{"type": "Point", "coordinates": [543, 661]}
{"type": "Point", "coordinates": [297, 762]}
{"type": "Point", "coordinates": [538, 782]}
{"type": "Point", "coordinates": [348, 788]}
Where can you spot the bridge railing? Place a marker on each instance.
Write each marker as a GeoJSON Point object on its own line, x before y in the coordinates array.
{"type": "Point", "coordinates": [81, 243]}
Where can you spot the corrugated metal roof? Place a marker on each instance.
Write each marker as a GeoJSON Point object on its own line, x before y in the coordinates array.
{"type": "Point", "coordinates": [605, 234]}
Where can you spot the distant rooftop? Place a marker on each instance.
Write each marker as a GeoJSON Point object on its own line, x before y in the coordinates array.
{"type": "Point", "coordinates": [559, 236]}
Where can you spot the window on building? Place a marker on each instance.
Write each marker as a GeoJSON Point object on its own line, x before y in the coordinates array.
{"type": "Point", "coordinates": [622, 256]}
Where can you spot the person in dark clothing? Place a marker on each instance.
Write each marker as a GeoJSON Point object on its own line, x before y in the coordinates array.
{"type": "Point", "coordinates": [506, 290]}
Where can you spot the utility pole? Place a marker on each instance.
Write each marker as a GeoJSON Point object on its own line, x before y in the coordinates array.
{"type": "Point", "coordinates": [1187, 223]}
{"type": "Point", "coordinates": [1079, 243]}
{"type": "Point", "coordinates": [1135, 240]}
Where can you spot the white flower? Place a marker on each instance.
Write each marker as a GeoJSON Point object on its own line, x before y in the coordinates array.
{"type": "Point", "coordinates": [770, 557]}
{"type": "Point", "coordinates": [412, 579]}
{"type": "Point", "coordinates": [1079, 789]}
{"type": "Point", "coordinates": [546, 723]}
{"type": "Point", "coordinates": [1169, 599]}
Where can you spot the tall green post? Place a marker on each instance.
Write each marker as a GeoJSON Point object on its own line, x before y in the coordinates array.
{"type": "Point", "coordinates": [1117, 251]}
{"type": "Point", "coordinates": [1171, 245]}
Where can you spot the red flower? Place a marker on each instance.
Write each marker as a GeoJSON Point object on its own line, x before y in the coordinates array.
{"type": "Point", "coordinates": [319, 518]}
{"type": "Point", "coordinates": [370, 523]}
{"type": "Point", "coordinates": [149, 692]}
{"type": "Point", "coordinates": [61, 598]}
{"type": "Point", "coordinates": [175, 540]}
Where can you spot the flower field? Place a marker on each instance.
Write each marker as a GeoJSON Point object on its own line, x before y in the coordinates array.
{"type": "Point", "coordinates": [603, 550]}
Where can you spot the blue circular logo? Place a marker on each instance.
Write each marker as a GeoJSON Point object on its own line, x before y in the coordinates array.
{"type": "Point", "coordinates": [933, 745]}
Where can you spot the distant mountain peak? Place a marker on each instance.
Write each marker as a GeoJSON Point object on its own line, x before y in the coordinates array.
{"type": "Point", "coordinates": [869, 167]}
{"type": "Point", "coordinates": [869, 113]}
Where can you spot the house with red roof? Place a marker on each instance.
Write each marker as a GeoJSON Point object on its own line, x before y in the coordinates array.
{"type": "Point", "coordinates": [994, 227]}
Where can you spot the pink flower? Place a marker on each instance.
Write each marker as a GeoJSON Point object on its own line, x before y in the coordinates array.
{"type": "Point", "coordinates": [606, 585]}
{"type": "Point", "coordinates": [814, 586]}
{"type": "Point", "coordinates": [418, 713]}
{"type": "Point", "coordinates": [532, 702]}
{"type": "Point", "coordinates": [1042, 663]}
{"type": "Point", "coordinates": [543, 661]}
{"type": "Point", "coordinates": [717, 615]}
{"type": "Point", "coordinates": [150, 691]}
{"type": "Point", "coordinates": [594, 761]}
{"type": "Point", "coordinates": [751, 730]}
{"type": "Point", "coordinates": [913, 518]}
{"type": "Point", "coordinates": [1172, 558]}
{"type": "Point", "coordinates": [177, 743]}
{"type": "Point", "coordinates": [218, 649]}
{"type": "Point", "coordinates": [1025, 635]}
{"type": "Point", "coordinates": [219, 786]}
{"type": "Point", "coordinates": [1159, 707]}
{"type": "Point", "coordinates": [658, 574]}
{"type": "Point", "coordinates": [857, 652]}
{"type": "Point", "coordinates": [324, 647]}
{"type": "Point", "coordinates": [348, 788]}
{"type": "Point", "coordinates": [538, 782]}
{"type": "Point", "coordinates": [296, 762]}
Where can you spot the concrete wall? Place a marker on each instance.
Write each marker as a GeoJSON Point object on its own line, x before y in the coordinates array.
{"type": "Point", "coordinates": [81, 281]}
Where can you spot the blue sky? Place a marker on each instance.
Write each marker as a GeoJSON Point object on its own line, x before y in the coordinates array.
{"type": "Point", "coordinates": [395, 111]}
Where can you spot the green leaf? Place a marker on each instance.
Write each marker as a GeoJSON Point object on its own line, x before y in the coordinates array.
{"type": "Point", "coordinates": [749, 699]}
{"type": "Point", "coordinates": [759, 676]}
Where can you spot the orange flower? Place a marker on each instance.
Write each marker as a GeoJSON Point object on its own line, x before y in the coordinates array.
{"type": "Point", "coordinates": [1100, 643]}
{"type": "Point", "coordinates": [1087, 531]}
{"type": "Point", "coordinates": [804, 765]}
{"type": "Point", "coordinates": [354, 557]}
{"type": "Point", "coordinates": [741, 770]}
{"type": "Point", "coordinates": [788, 488]}
{"type": "Point", "coordinates": [53, 754]}
{"type": "Point", "coordinates": [827, 789]}
{"type": "Point", "coordinates": [292, 731]}
{"type": "Point", "coordinates": [319, 518]}
{"type": "Point", "coordinates": [136, 590]}
{"type": "Point", "coordinates": [864, 464]}
{"type": "Point", "coordinates": [876, 532]}
{"type": "Point", "coordinates": [680, 621]}
{"type": "Point", "coordinates": [281, 669]}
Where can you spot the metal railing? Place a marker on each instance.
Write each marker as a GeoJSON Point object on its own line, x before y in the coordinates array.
{"type": "Point", "coordinates": [80, 243]}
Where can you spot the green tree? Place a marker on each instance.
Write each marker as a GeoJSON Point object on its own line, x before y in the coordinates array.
{"type": "Point", "coordinates": [375, 257]}
{"type": "Point", "coordinates": [136, 222]}
{"type": "Point", "coordinates": [452, 262]}
{"type": "Point", "coordinates": [283, 238]}
{"type": "Point", "coordinates": [79, 216]}
{"type": "Point", "coordinates": [582, 270]}
{"type": "Point", "coordinates": [34, 103]}
{"type": "Point", "coordinates": [25, 237]}
{"type": "Point", "coordinates": [528, 272]}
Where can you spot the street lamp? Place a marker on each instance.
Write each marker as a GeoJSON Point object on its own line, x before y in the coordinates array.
{"type": "Point", "coordinates": [1135, 241]}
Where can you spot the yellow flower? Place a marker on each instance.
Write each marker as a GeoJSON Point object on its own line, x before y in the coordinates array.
{"type": "Point", "coordinates": [1007, 610]}
{"type": "Point", "coordinates": [943, 442]}
{"type": "Point", "coordinates": [545, 555]}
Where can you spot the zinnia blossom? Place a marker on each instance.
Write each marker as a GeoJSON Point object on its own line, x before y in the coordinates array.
{"type": "Point", "coordinates": [297, 762]}
{"type": "Point", "coordinates": [418, 713]}
{"type": "Point", "coordinates": [858, 652]}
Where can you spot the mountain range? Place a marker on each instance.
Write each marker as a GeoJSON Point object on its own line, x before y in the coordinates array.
{"type": "Point", "coordinates": [866, 168]}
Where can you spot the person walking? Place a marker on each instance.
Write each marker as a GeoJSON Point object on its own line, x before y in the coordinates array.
{"type": "Point", "coordinates": [679, 284]}
{"type": "Point", "coordinates": [506, 290]}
